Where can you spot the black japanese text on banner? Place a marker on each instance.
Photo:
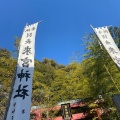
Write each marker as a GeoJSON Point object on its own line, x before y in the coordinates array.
{"type": "Point", "coordinates": [109, 44]}
{"type": "Point", "coordinates": [20, 102]}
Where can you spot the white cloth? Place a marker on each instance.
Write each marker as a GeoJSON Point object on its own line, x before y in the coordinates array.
{"type": "Point", "coordinates": [20, 102]}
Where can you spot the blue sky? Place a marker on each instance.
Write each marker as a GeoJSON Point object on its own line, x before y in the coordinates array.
{"type": "Point", "coordinates": [65, 23]}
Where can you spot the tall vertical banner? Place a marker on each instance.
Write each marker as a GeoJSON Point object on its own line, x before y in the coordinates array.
{"type": "Point", "coordinates": [109, 44]}
{"type": "Point", "coordinates": [20, 102]}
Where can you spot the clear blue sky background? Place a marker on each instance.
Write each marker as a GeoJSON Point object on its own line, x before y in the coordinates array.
{"type": "Point", "coordinates": [65, 23]}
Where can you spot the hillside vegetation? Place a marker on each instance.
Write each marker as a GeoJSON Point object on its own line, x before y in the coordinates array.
{"type": "Point", "coordinates": [52, 83]}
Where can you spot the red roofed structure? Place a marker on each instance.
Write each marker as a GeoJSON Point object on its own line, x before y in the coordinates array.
{"type": "Point", "coordinates": [74, 105]}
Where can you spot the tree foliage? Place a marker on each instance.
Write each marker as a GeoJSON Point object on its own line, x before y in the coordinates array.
{"type": "Point", "coordinates": [102, 72]}
{"type": "Point", "coordinates": [53, 83]}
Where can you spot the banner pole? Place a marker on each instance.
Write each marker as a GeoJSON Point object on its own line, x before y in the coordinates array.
{"type": "Point", "coordinates": [40, 21]}
{"type": "Point", "coordinates": [104, 63]}
{"type": "Point", "coordinates": [97, 37]}
{"type": "Point", "coordinates": [111, 77]}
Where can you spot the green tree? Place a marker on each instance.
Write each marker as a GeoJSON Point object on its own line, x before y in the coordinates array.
{"type": "Point", "coordinates": [100, 69]}
{"type": "Point", "coordinates": [4, 53]}
{"type": "Point", "coordinates": [7, 68]}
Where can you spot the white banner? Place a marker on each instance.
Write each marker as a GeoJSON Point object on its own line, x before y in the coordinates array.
{"type": "Point", "coordinates": [20, 102]}
{"type": "Point", "coordinates": [109, 44]}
